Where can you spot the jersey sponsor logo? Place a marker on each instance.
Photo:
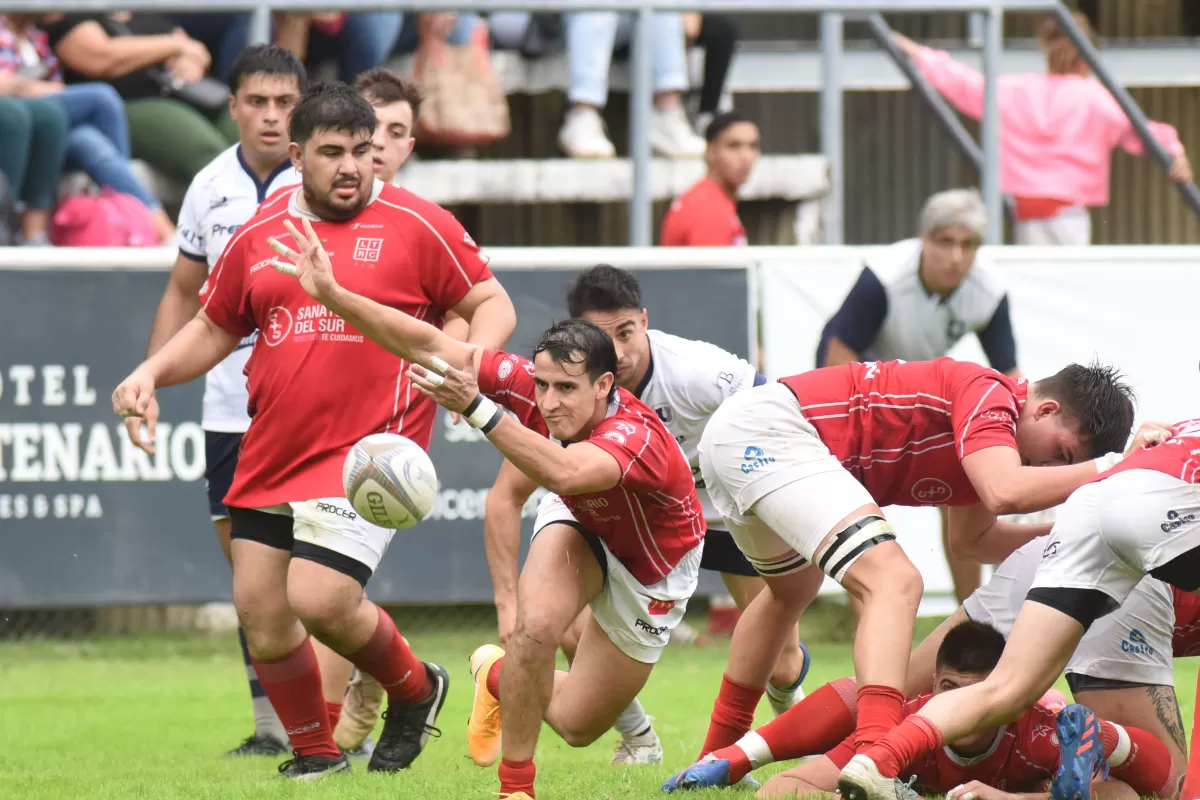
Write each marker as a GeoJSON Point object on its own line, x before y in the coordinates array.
{"type": "Point", "coordinates": [1136, 644]}
{"type": "Point", "coordinates": [931, 491]}
{"type": "Point", "coordinates": [1175, 521]}
{"type": "Point", "coordinates": [337, 511]}
{"type": "Point", "coordinates": [997, 415]}
{"type": "Point", "coordinates": [594, 502]}
{"type": "Point", "coordinates": [651, 629]}
{"type": "Point", "coordinates": [218, 202]}
{"type": "Point", "coordinates": [505, 369]}
{"type": "Point", "coordinates": [755, 458]}
{"type": "Point", "coordinates": [1051, 550]}
{"type": "Point", "coordinates": [266, 262]}
{"type": "Point", "coordinates": [615, 436]}
{"type": "Point", "coordinates": [365, 225]}
{"type": "Point", "coordinates": [224, 230]}
{"type": "Point", "coordinates": [367, 249]}
{"type": "Point", "coordinates": [279, 325]}
{"type": "Point", "coordinates": [656, 607]}
{"type": "Point", "coordinates": [665, 414]}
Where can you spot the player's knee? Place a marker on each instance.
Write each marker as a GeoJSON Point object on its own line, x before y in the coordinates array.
{"type": "Point", "coordinates": [579, 736]}
{"type": "Point", "coordinates": [535, 637]}
{"type": "Point", "coordinates": [889, 577]}
{"type": "Point", "coordinates": [321, 612]}
{"type": "Point", "coordinates": [779, 786]}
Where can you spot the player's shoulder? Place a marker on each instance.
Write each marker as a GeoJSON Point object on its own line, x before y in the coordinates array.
{"type": "Point", "coordinates": [983, 285]}
{"type": "Point", "coordinates": [501, 366]}
{"type": "Point", "coordinates": [896, 264]}
{"type": "Point", "coordinates": [405, 207]}
{"type": "Point", "coordinates": [225, 165]}
{"type": "Point", "coordinates": [685, 351]}
{"type": "Point", "coordinates": [631, 416]}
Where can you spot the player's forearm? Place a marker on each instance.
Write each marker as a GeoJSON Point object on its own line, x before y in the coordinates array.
{"type": "Point", "coordinates": [492, 322]}
{"type": "Point", "coordinates": [838, 353]}
{"type": "Point", "coordinates": [502, 545]}
{"type": "Point", "coordinates": [395, 331]}
{"type": "Point", "coordinates": [174, 311]}
{"type": "Point", "coordinates": [199, 346]}
{"type": "Point", "coordinates": [1024, 490]}
{"type": "Point", "coordinates": [997, 542]}
{"type": "Point", "coordinates": [547, 464]}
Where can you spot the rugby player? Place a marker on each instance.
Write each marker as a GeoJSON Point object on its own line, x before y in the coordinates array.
{"type": "Point", "coordinates": [301, 556]}
{"type": "Point", "coordinates": [1139, 518]}
{"type": "Point", "coordinates": [622, 531]}
{"type": "Point", "coordinates": [799, 469]}
{"type": "Point", "coordinates": [683, 381]}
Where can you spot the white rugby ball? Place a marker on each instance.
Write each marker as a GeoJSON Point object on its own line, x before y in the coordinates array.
{"type": "Point", "coordinates": [390, 480]}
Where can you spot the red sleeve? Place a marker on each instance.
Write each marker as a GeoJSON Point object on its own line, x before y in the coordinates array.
{"type": "Point", "coordinates": [222, 296]}
{"type": "Point", "coordinates": [449, 260]}
{"type": "Point", "coordinates": [639, 449]}
{"type": "Point", "coordinates": [841, 755]}
{"type": "Point", "coordinates": [983, 413]}
{"type": "Point", "coordinates": [507, 379]}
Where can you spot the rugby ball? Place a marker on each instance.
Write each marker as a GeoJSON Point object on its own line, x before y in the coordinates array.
{"type": "Point", "coordinates": [390, 480]}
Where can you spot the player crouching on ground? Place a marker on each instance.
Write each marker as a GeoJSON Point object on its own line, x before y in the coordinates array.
{"type": "Point", "coordinates": [623, 533]}
{"type": "Point", "coordinates": [994, 763]}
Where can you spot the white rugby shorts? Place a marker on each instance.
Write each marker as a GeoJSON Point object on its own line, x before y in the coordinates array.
{"type": "Point", "coordinates": [638, 619]}
{"type": "Point", "coordinates": [1133, 644]}
{"type": "Point", "coordinates": [1112, 533]}
{"type": "Point", "coordinates": [779, 489]}
{"type": "Point", "coordinates": [332, 523]}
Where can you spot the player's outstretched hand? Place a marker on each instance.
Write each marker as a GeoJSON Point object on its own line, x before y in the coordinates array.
{"type": "Point", "coordinates": [1150, 434]}
{"type": "Point", "coordinates": [309, 263]}
{"type": "Point", "coordinates": [450, 388]}
{"type": "Point", "coordinates": [133, 427]}
{"type": "Point", "coordinates": [134, 396]}
{"type": "Point", "coordinates": [976, 790]}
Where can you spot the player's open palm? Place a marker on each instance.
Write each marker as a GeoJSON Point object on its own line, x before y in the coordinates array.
{"type": "Point", "coordinates": [309, 262]}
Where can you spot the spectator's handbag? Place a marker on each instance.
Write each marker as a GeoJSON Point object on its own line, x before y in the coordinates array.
{"type": "Point", "coordinates": [465, 105]}
{"type": "Point", "coordinates": [209, 96]}
{"type": "Point", "coordinates": [102, 219]}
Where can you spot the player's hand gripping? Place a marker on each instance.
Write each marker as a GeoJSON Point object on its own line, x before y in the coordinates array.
{"type": "Point", "coordinates": [1150, 434]}
{"type": "Point", "coordinates": [133, 427]}
{"type": "Point", "coordinates": [454, 389]}
{"type": "Point", "coordinates": [976, 790]}
{"type": "Point", "coordinates": [134, 397]}
{"type": "Point", "coordinates": [310, 265]}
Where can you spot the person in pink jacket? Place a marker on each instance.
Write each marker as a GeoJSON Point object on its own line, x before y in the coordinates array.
{"type": "Point", "coordinates": [1057, 134]}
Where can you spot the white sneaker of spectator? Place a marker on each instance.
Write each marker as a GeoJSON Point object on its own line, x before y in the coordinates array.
{"type": "Point", "coordinates": [671, 134]}
{"type": "Point", "coordinates": [582, 135]}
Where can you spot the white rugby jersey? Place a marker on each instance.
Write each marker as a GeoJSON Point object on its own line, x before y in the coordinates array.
{"type": "Point", "coordinates": [921, 326]}
{"type": "Point", "coordinates": [685, 383]}
{"type": "Point", "coordinates": [220, 199]}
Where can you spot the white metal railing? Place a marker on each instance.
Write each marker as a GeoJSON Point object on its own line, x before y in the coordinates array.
{"type": "Point", "coordinates": [641, 92]}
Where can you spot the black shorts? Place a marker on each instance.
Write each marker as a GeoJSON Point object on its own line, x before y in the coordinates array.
{"type": "Point", "coordinates": [275, 530]}
{"type": "Point", "coordinates": [721, 554]}
{"type": "Point", "coordinates": [220, 460]}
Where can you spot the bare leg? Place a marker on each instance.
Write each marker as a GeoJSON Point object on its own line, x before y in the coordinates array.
{"type": "Point", "coordinates": [967, 575]}
{"type": "Point", "coordinates": [743, 589]}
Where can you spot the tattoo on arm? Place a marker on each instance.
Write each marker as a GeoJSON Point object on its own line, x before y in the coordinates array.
{"type": "Point", "coordinates": [1166, 707]}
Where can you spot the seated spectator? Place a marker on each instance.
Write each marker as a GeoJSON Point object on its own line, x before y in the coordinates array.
{"type": "Point", "coordinates": [137, 54]}
{"type": "Point", "coordinates": [706, 214]}
{"type": "Point", "coordinates": [98, 135]}
{"type": "Point", "coordinates": [718, 35]}
{"type": "Point", "coordinates": [591, 37]}
{"type": "Point", "coordinates": [33, 144]}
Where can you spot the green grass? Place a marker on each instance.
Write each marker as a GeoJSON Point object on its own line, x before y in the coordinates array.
{"type": "Point", "coordinates": [147, 717]}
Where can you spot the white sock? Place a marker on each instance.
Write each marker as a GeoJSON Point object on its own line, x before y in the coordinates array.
{"type": "Point", "coordinates": [756, 750]}
{"type": "Point", "coordinates": [633, 722]}
{"type": "Point", "coordinates": [1121, 751]}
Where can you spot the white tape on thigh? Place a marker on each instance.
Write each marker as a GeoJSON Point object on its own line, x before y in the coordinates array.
{"type": "Point", "coordinates": [847, 545]}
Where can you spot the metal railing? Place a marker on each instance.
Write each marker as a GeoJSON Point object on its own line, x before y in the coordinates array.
{"type": "Point", "coordinates": [641, 95]}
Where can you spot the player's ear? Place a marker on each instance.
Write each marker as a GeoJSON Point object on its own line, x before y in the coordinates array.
{"type": "Point", "coordinates": [1046, 408]}
{"type": "Point", "coordinates": [645, 319]}
{"type": "Point", "coordinates": [294, 153]}
{"type": "Point", "coordinates": [604, 385]}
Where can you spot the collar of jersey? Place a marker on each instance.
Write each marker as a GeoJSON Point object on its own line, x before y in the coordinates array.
{"type": "Point", "coordinates": [294, 202]}
{"type": "Point", "coordinates": [963, 761]}
{"type": "Point", "coordinates": [262, 187]}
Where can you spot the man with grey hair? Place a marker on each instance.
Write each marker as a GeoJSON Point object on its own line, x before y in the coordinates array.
{"type": "Point", "coordinates": [915, 299]}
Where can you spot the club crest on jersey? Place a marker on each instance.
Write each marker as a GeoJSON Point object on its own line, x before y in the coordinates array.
{"type": "Point", "coordinates": [367, 249]}
{"type": "Point", "coordinates": [625, 428]}
{"type": "Point", "coordinates": [931, 491]}
{"type": "Point", "coordinates": [279, 325]}
{"type": "Point", "coordinates": [615, 436]}
{"type": "Point", "coordinates": [665, 414]}
{"type": "Point", "coordinates": [505, 369]}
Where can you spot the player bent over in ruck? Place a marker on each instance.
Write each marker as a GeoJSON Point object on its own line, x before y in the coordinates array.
{"type": "Point", "coordinates": [623, 532]}
{"type": "Point", "coordinates": [301, 555]}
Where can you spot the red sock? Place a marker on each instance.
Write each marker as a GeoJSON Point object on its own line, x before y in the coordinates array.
{"type": "Point", "coordinates": [387, 658]}
{"type": "Point", "coordinates": [880, 708]}
{"type": "Point", "coordinates": [1142, 761]}
{"type": "Point", "coordinates": [516, 776]}
{"type": "Point", "coordinates": [908, 741]}
{"type": "Point", "coordinates": [733, 714]}
{"type": "Point", "coordinates": [815, 725]}
{"type": "Point", "coordinates": [335, 712]}
{"type": "Point", "coordinates": [293, 685]}
{"type": "Point", "coordinates": [493, 679]}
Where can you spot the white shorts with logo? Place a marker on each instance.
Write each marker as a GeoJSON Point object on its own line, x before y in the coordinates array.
{"type": "Point", "coordinates": [638, 619]}
{"type": "Point", "coordinates": [775, 482]}
{"type": "Point", "coordinates": [332, 523]}
{"type": "Point", "coordinates": [1112, 533]}
{"type": "Point", "coordinates": [1131, 644]}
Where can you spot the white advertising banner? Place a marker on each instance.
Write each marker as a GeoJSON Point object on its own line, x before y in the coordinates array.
{"type": "Point", "coordinates": [1126, 306]}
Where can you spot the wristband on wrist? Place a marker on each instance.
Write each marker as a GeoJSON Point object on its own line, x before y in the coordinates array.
{"type": "Point", "coordinates": [493, 422]}
{"type": "Point", "coordinates": [1107, 461]}
{"type": "Point", "coordinates": [479, 412]}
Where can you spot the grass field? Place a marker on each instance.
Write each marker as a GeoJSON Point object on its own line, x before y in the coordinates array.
{"type": "Point", "coordinates": [117, 719]}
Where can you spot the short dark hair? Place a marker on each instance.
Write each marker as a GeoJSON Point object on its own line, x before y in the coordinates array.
{"type": "Point", "coordinates": [603, 288]}
{"type": "Point", "coordinates": [1097, 399]}
{"type": "Point", "coordinates": [266, 59]}
{"type": "Point", "coordinates": [577, 341]}
{"type": "Point", "coordinates": [330, 106]}
{"type": "Point", "coordinates": [382, 86]}
{"type": "Point", "coordinates": [723, 122]}
{"type": "Point", "coordinates": [971, 647]}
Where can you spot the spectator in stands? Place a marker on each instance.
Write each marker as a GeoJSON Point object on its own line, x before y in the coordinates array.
{"type": "Point", "coordinates": [916, 299]}
{"type": "Point", "coordinates": [139, 54]}
{"type": "Point", "coordinates": [1057, 134]}
{"type": "Point", "coordinates": [591, 37]}
{"type": "Point", "coordinates": [718, 35]}
{"type": "Point", "coordinates": [33, 144]}
{"type": "Point", "coordinates": [98, 135]}
{"type": "Point", "coordinates": [706, 214]}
